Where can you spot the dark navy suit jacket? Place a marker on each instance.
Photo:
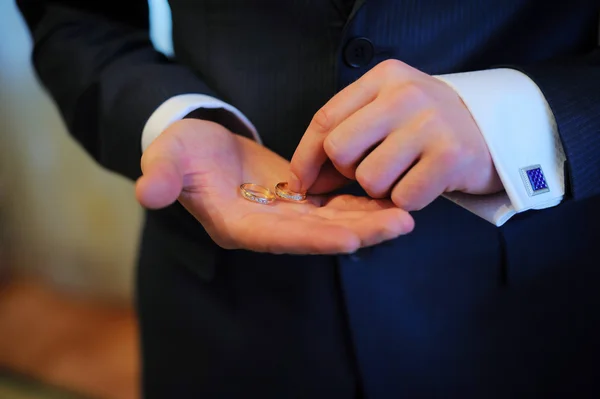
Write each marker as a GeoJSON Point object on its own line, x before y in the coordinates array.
{"type": "Point", "coordinates": [458, 308]}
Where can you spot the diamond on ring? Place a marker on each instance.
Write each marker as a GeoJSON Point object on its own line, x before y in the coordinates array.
{"type": "Point", "coordinates": [257, 193]}
{"type": "Point", "coordinates": [282, 191]}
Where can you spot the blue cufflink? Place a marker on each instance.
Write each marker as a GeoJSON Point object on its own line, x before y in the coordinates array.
{"type": "Point", "coordinates": [534, 180]}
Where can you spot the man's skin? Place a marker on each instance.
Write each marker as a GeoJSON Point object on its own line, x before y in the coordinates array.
{"type": "Point", "coordinates": [202, 165]}
{"type": "Point", "coordinates": [402, 134]}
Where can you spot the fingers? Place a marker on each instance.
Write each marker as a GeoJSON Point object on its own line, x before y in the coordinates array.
{"type": "Point", "coordinates": [310, 154]}
{"type": "Point", "coordinates": [379, 226]}
{"type": "Point", "coordinates": [326, 231]}
{"type": "Point", "coordinates": [423, 183]}
{"type": "Point", "coordinates": [344, 234]}
{"type": "Point", "coordinates": [372, 226]}
{"type": "Point", "coordinates": [382, 168]}
{"type": "Point", "coordinates": [350, 142]}
{"type": "Point", "coordinates": [373, 221]}
{"type": "Point", "coordinates": [350, 125]}
{"type": "Point", "coordinates": [352, 139]}
{"type": "Point", "coordinates": [353, 203]}
{"type": "Point", "coordinates": [162, 179]}
{"type": "Point", "coordinates": [328, 180]}
{"type": "Point", "coordinates": [300, 236]}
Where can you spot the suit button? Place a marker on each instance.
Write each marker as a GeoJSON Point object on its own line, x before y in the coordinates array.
{"type": "Point", "coordinates": [358, 52]}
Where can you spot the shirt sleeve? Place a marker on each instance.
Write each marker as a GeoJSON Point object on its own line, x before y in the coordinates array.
{"type": "Point", "coordinates": [180, 106]}
{"type": "Point", "coordinates": [521, 134]}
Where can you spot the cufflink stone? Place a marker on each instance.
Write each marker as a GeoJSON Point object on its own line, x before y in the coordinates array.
{"type": "Point", "coordinates": [534, 180]}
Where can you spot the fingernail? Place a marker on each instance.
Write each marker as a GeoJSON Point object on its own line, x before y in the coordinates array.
{"type": "Point", "coordinates": [294, 184]}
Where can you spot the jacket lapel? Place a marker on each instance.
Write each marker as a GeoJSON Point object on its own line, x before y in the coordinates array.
{"type": "Point", "coordinates": [357, 5]}
{"type": "Point", "coordinates": [347, 8]}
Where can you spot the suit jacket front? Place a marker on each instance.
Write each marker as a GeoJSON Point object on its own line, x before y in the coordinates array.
{"type": "Point", "coordinates": [458, 301]}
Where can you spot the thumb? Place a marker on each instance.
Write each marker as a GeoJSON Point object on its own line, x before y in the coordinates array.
{"type": "Point", "coordinates": [162, 179]}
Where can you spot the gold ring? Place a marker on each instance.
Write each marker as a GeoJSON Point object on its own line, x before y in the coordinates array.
{"type": "Point", "coordinates": [283, 192]}
{"type": "Point", "coordinates": [257, 193]}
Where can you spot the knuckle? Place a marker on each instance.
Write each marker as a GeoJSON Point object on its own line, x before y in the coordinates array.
{"type": "Point", "coordinates": [414, 92]}
{"type": "Point", "coordinates": [397, 101]}
{"type": "Point", "coordinates": [322, 121]}
{"type": "Point", "coordinates": [408, 196]}
{"type": "Point", "coordinates": [450, 156]}
{"type": "Point", "coordinates": [390, 67]}
{"type": "Point", "coordinates": [431, 118]}
{"type": "Point", "coordinates": [368, 181]}
{"type": "Point", "coordinates": [364, 178]}
{"type": "Point", "coordinates": [401, 200]}
{"type": "Point", "coordinates": [426, 123]}
{"type": "Point", "coordinates": [362, 84]}
{"type": "Point", "coordinates": [333, 150]}
{"type": "Point", "coordinates": [297, 167]}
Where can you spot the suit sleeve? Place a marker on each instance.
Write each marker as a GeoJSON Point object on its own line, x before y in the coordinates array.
{"type": "Point", "coordinates": [98, 64]}
{"type": "Point", "coordinates": [572, 90]}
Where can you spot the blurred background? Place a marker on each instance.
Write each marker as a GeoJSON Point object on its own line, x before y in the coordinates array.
{"type": "Point", "coordinates": [68, 239]}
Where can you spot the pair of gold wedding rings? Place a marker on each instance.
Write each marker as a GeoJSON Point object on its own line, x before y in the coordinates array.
{"type": "Point", "coordinates": [263, 195]}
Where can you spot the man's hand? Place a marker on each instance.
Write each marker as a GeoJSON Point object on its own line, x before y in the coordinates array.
{"type": "Point", "coordinates": [400, 133]}
{"type": "Point", "coordinates": [202, 165]}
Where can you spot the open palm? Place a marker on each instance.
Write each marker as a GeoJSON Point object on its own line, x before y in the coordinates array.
{"type": "Point", "coordinates": [202, 165]}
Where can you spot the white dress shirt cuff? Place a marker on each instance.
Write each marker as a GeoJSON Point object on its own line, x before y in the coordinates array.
{"type": "Point", "coordinates": [521, 134]}
{"type": "Point", "coordinates": [176, 108]}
